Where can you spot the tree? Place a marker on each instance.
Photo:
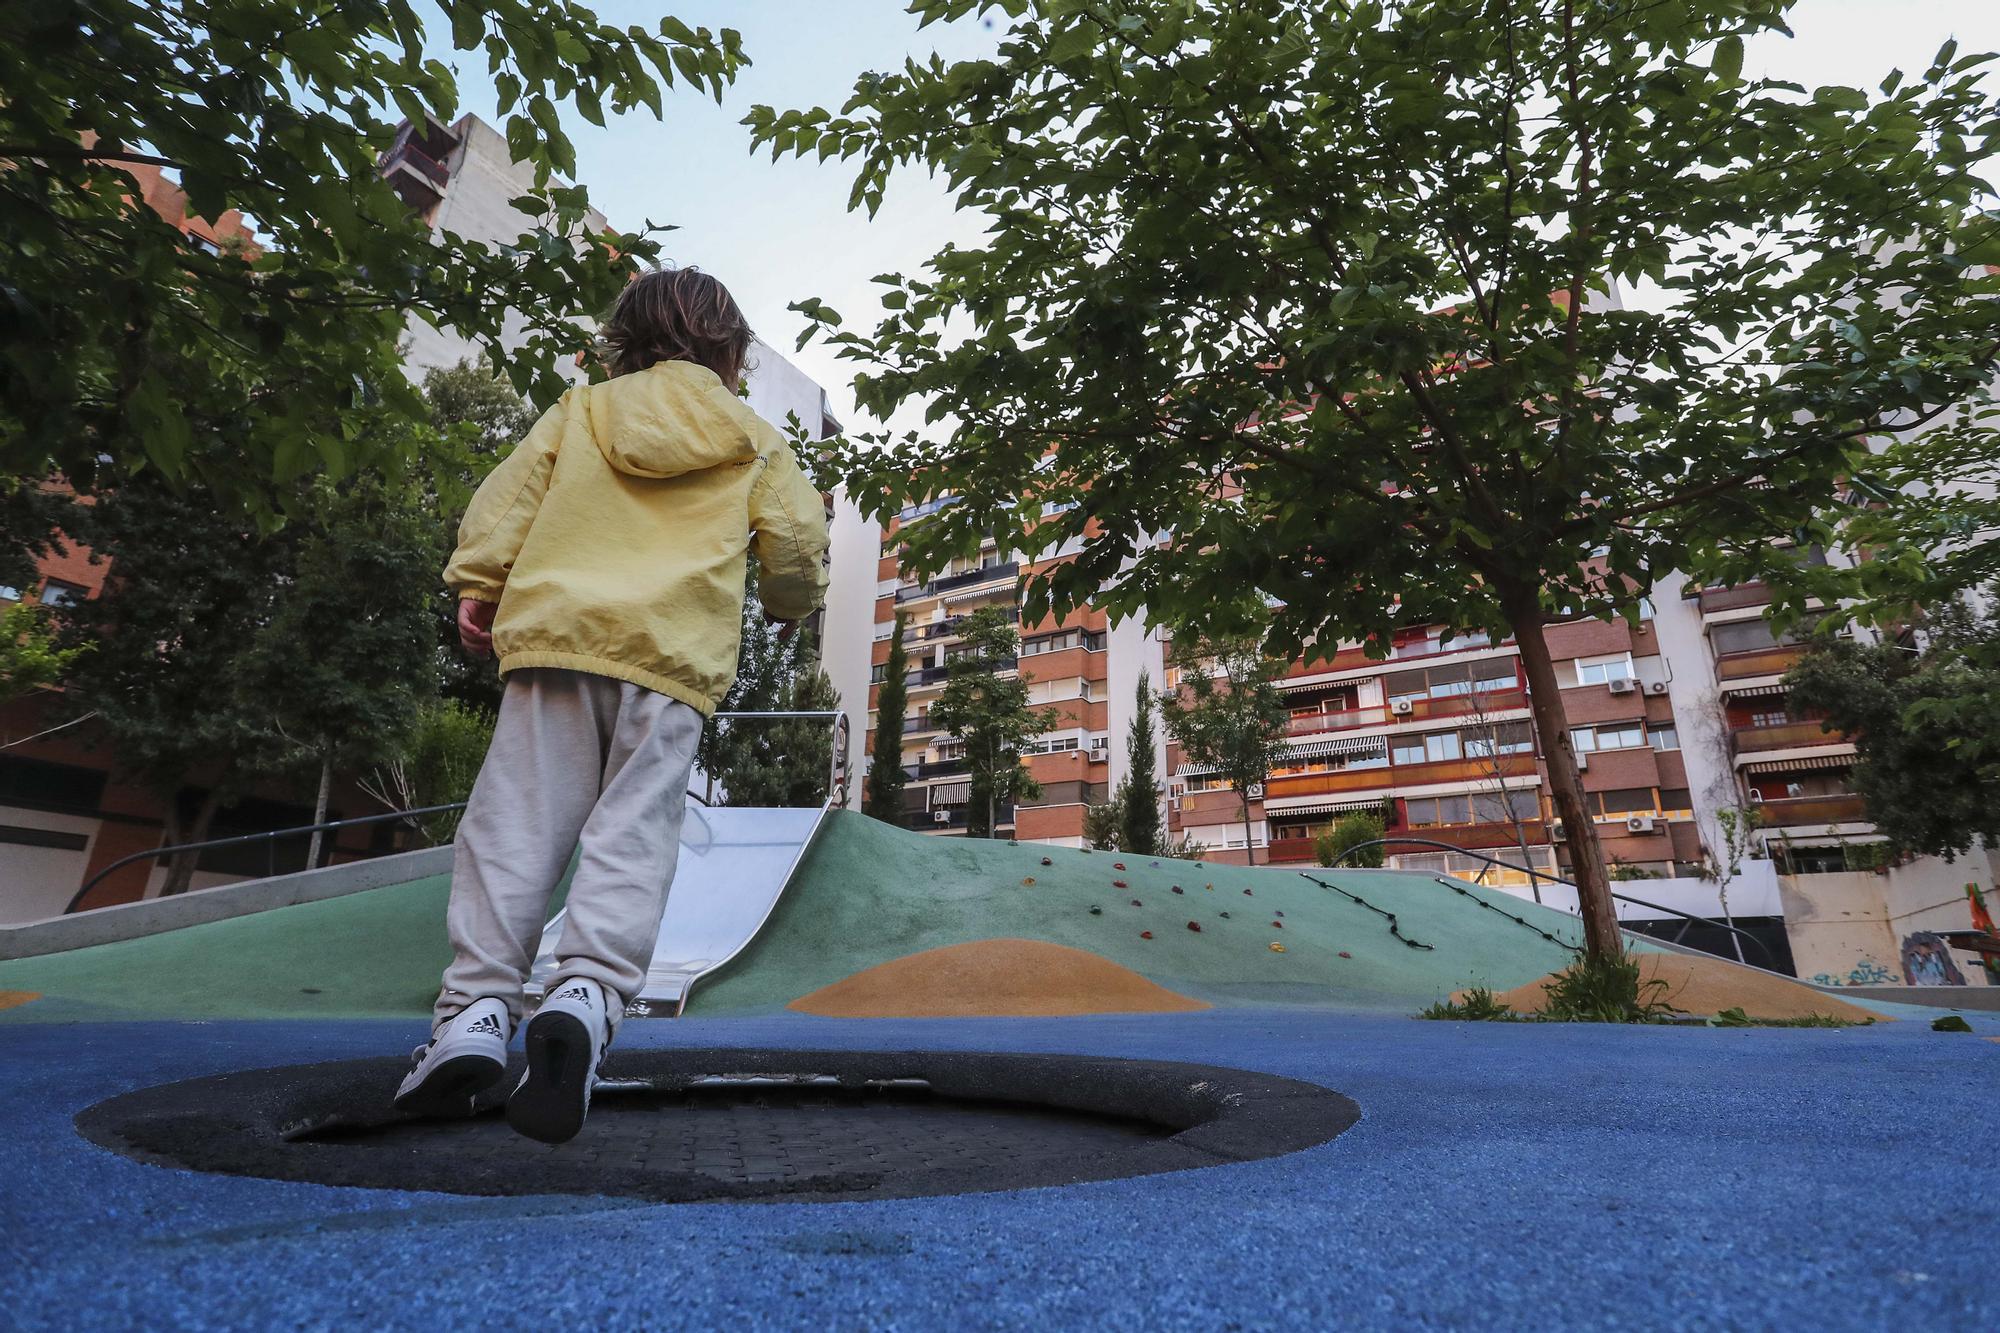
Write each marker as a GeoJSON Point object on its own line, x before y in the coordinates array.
{"type": "Point", "coordinates": [1235, 728]}
{"type": "Point", "coordinates": [343, 664]}
{"type": "Point", "coordinates": [1338, 839]}
{"type": "Point", "coordinates": [30, 656]}
{"type": "Point", "coordinates": [437, 764]}
{"type": "Point", "coordinates": [476, 418]}
{"type": "Point", "coordinates": [1736, 838]}
{"type": "Point", "coordinates": [766, 761]}
{"type": "Point", "coordinates": [990, 713]}
{"type": "Point", "coordinates": [1138, 795]}
{"type": "Point", "coordinates": [283, 112]}
{"type": "Point", "coordinates": [1310, 304]}
{"type": "Point", "coordinates": [1925, 724]}
{"type": "Point", "coordinates": [883, 798]}
{"type": "Point", "coordinates": [174, 630]}
{"type": "Point", "coordinates": [1103, 824]}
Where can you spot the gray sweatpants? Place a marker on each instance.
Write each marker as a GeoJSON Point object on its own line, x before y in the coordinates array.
{"type": "Point", "coordinates": [578, 762]}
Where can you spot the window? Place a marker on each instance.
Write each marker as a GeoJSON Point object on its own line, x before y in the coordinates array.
{"type": "Point", "coordinates": [203, 244]}
{"type": "Point", "coordinates": [1774, 718]}
{"type": "Point", "coordinates": [1603, 670]}
{"type": "Point", "coordinates": [1677, 801]}
{"type": "Point", "coordinates": [1622, 802]}
{"type": "Point", "coordinates": [57, 593]}
{"type": "Point", "coordinates": [1610, 736]}
{"type": "Point", "coordinates": [1664, 736]}
{"type": "Point", "coordinates": [1057, 746]}
{"type": "Point", "coordinates": [1507, 738]}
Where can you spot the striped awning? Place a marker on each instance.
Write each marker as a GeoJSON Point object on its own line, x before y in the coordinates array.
{"type": "Point", "coordinates": [1324, 808]}
{"type": "Point", "coordinates": [1753, 691]}
{"type": "Point", "coordinates": [1804, 762]}
{"type": "Point", "coordinates": [1193, 771]}
{"type": "Point", "coordinates": [1337, 745]}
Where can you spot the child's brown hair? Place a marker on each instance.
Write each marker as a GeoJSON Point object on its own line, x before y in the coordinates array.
{"type": "Point", "coordinates": [676, 314]}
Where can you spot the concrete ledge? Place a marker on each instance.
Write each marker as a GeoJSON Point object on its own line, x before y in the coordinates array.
{"type": "Point", "coordinates": [1935, 997]}
{"type": "Point", "coordinates": [103, 925]}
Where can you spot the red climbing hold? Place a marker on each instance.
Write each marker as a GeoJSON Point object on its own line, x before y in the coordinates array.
{"type": "Point", "coordinates": [1119, 884]}
{"type": "Point", "coordinates": [1117, 865]}
{"type": "Point", "coordinates": [1145, 934]}
{"type": "Point", "coordinates": [1195, 926]}
{"type": "Point", "coordinates": [1277, 925]}
{"type": "Point", "coordinates": [1345, 954]}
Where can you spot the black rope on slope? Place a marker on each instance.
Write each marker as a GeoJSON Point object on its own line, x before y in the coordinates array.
{"type": "Point", "coordinates": [1463, 892]}
{"type": "Point", "coordinates": [1414, 944]}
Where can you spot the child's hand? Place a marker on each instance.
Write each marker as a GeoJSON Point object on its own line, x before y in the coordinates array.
{"type": "Point", "coordinates": [475, 626]}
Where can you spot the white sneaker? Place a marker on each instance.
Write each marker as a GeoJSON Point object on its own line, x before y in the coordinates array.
{"type": "Point", "coordinates": [565, 1040]}
{"type": "Point", "coordinates": [466, 1054]}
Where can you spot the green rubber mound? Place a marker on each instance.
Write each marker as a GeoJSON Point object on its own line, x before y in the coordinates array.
{"type": "Point", "coordinates": [867, 894]}
{"type": "Point", "coordinates": [870, 893]}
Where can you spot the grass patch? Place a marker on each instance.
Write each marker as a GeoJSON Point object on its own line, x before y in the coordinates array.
{"type": "Point", "coordinates": [1480, 1005]}
{"type": "Point", "coordinates": [1599, 989]}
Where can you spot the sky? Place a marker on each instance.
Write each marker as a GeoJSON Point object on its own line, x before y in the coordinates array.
{"type": "Point", "coordinates": [780, 232]}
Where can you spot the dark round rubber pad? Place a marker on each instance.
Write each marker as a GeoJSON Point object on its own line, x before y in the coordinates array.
{"type": "Point", "coordinates": [687, 1125]}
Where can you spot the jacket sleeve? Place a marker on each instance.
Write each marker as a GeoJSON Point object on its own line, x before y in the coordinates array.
{"type": "Point", "coordinates": [503, 508]}
{"type": "Point", "coordinates": [788, 537]}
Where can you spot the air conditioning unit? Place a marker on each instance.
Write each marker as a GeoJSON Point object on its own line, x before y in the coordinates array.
{"type": "Point", "coordinates": [1255, 791]}
{"type": "Point", "coordinates": [1100, 744]}
{"type": "Point", "coordinates": [1639, 824]}
{"type": "Point", "coordinates": [1622, 685]}
{"type": "Point", "coordinates": [1402, 707]}
{"type": "Point", "coordinates": [940, 816]}
{"type": "Point", "coordinates": [1556, 831]}
{"type": "Point", "coordinates": [1657, 687]}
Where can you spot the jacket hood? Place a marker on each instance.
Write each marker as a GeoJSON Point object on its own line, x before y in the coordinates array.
{"type": "Point", "coordinates": [669, 419]}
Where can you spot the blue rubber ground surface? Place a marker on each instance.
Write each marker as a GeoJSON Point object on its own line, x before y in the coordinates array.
{"type": "Point", "coordinates": [1502, 1177]}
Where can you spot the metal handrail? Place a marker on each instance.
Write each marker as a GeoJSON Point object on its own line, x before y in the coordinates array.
{"type": "Point", "coordinates": [1687, 918]}
{"type": "Point", "coordinates": [242, 839]}
{"type": "Point", "coordinates": [836, 798]}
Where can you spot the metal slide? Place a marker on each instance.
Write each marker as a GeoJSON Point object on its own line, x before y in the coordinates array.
{"type": "Point", "coordinates": [735, 863]}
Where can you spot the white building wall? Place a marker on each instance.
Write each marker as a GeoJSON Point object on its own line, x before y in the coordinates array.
{"type": "Point", "coordinates": [850, 626]}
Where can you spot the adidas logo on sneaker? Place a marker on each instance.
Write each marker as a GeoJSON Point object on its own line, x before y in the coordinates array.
{"type": "Point", "coordinates": [486, 1026]}
{"type": "Point", "coordinates": [575, 993]}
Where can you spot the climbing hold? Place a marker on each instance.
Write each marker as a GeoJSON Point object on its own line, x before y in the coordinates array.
{"type": "Point", "coordinates": [1117, 865]}
{"type": "Point", "coordinates": [1013, 842]}
{"type": "Point", "coordinates": [1145, 934]}
{"type": "Point", "coordinates": [1029, 880]}
{"type": "Point", "coordinates": [1209, 887]}
{"type": "Point", "coordinates": [1177, 888]}
{"type": "Point", "coordinates": [1118, 884]}
{"type": "Point", "coordinates": [1047, 862]}
{"type": "Point", "coordinates": [1248, 894]}
{"type": "Point", "coordinates": [1276, 912]}
{"type": "Point", "coordinates": [1225, 916]}
{"type": "Point", "coordinates": [1096, 910]}
{"type": "Point", "coordinates": [1084, 850]}
{"type": "Point", "coordinates": [1195, 926]}
{"type": "Point", "coordinates": [1345, 954]}
{"type": "Point", "coordinates": [1154, 864]}
{"type": "Point", "coordinates": [1135, 902]}
{"type": "Point", "coordinates": [1277, 925]}
{"type": "Point", "coordinates": [1277, 947]}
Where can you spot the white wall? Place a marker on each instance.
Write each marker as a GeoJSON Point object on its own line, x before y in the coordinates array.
{"type": "Point", "coordinates": [850, 626]}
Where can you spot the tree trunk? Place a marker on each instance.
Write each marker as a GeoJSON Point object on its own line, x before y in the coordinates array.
{"type": "Point", "coordinates": [319, 809]}
{"type": "Point", "coordinates": [1593, 886]}
{"type": "Point", "coordinates": [180, 867]}
{"type": "Point", "coordinates": [1249, 842]}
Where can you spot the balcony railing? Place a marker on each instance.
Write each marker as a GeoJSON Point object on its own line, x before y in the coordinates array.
{"type": "Point", "coordinates": [943, 768]}
{"type": "Point", "coordinates": [1813, 811]}
{"type": "Point", "coordinates": [1421, 710]}
{"type": "Point", "coordinates": [1402, 775]}
{"type": "Point", "coordinates": [1006, 569]}
{"type": "Point", "coordinates": [1759, 662]}
{"type": "Point", "coordinates": [948, 629]}
{"type": "Point", "coordinates": [1784, 736]}
{"type": "Point", "coordinates": [1733, 599]}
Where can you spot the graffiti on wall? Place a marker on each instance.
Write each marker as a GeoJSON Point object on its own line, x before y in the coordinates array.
{"type": "Point", "coordinates": [1867, 972]}
{"type": "Point", "coordinates": [1927, 961]}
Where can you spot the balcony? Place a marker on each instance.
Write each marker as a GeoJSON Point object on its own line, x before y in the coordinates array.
{"type": "Point", "coordinates": [1006, 569]}
{"type": "Point", "coordinates": [948, 629]}
{"type": "Point", "coordinates": [926, 821]}
{"type": "Point", "coordinates": [1758, 662]}
{"type": "Point", "coordinates": [943, 768]}
{"type": "Point", "coordinates": [1402, 775]}
{"type": "Point", "coordinates": [1421, 710]}
{"type": "Point", "coordinates": [1813, 811]}
{"type": "Point", "coordinates": [1784, 736]}
{"type": "Point", "coordinates": [418, 178]}
{"type": "Point", "coordinates": [1737, 598]}
{"type": "Point", "coordinates": [1292, 851]}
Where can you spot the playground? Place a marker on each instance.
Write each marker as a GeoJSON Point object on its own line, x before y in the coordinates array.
{"type": "Point", "coordinates": [1209, 1080]}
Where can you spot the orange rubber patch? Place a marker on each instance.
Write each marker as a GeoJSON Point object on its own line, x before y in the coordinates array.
{"type": "Point", "coordinates": [14, 999]}
{"type": "Point", "coordinates": [992, 979]}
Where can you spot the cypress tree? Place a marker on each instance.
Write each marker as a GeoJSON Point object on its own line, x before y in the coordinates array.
{"type": "Point", "coordinates": [1138, 799]}
{"type": "Point", "coordinates": [883, 796]}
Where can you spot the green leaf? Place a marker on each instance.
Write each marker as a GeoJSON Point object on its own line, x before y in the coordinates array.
{"type": "Point", "coordinates": [1727, 62]}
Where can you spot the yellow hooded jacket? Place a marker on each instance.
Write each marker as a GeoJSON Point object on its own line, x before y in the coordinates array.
{"type": "Point", "coordinates": [614, 536]}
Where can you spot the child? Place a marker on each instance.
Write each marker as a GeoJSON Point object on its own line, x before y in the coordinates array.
{"type": "Point", "coordinates": [604, 562]}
